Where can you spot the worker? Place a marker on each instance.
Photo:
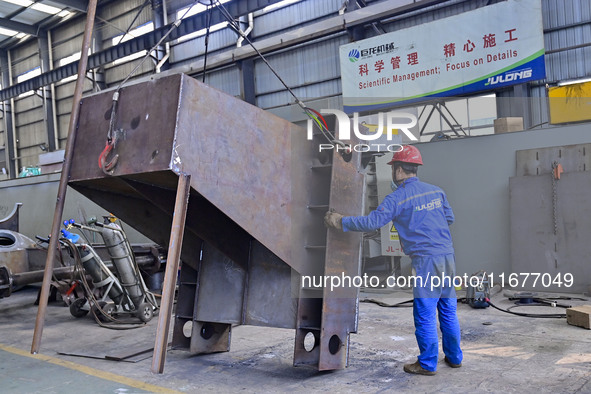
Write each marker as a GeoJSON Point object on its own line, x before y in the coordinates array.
{"type": "Point", "coordinates": [421, 214]}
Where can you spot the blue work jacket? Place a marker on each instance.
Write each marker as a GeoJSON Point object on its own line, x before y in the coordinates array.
{"type": "Point", "coordinates": [421, 215]}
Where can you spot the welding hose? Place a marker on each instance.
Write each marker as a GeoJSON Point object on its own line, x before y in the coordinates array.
{"type": "Point", "coordinates": [115, 323]}
{"type": "Point", "coordinates": [547, 316]}
{"type": "Point", "coordinates": [403, 304]}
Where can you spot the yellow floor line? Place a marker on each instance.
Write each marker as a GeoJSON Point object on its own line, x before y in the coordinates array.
{"type": "Point", "coordinates": [90, 371]}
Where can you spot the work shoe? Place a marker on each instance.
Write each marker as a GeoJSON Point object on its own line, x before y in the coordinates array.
{"type": "Point", "coordinates": [451, 364]}
{"type": "Point", "coordinates": [416, 368]}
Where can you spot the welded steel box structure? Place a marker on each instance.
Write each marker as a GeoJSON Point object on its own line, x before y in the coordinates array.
{"type": "Point", "coordinates": [259, 191]}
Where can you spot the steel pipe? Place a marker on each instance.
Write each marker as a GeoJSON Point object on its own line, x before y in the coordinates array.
{"type": "Point", "coordinates": [63, 185]}
{"type": "Point", "coordinates": [172, 266]}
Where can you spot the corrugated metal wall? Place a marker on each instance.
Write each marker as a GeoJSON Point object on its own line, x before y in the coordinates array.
{"type": "Point", "coordinates": [65, 42]}
{"type": "Point", "coordinates": [117, 18]}
{"type": "Point", "coordinates": [294, 15]}
{"type": "Point", "coordinates": [3, 154]}
{"type": "Point", "coordinates": [29, 117]}
{"type": "Point", "coordinates": [311, 69]}
{"type": "Point", "coordinates": [567, 24]}
{"type": "Point", "coordinates": [432, 13]}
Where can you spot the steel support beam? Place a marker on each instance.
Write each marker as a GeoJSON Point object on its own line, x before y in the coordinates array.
{"type": "Point", "coordinates": [375, 12]}
{"type": "Point", "coordinates": [7, 115]}
{"type": "Point", "coordinates": [143, 42]}
{"type": "Point", "coordinates": [97, 75]}
{"type": "Point", "coordinates": [356, 33]}
{"type": "Point", "coordinates": [159, 18]}
{"type": "Point", "coordinates": [19, 27]}
{"type": "Point", "coordinates": [236, 8]}
{"type": "Point", "coordinates": [521, 92]}
{"type": "Point", "coordinates": [172, 267]}
{"type": "Point", "coordinates": [247, 85]}
{"type": "Point", "coordinates": [46, 95]}
{"type": "Point", "coordinates": [61, 196]}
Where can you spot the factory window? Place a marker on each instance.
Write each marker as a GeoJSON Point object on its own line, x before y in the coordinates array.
{"type": "Point", "coordinates": [198, 33]}
{"type": "Point", "coordinates": [474, 115]}
{"type": "Point", "coordinates": [193, 10]}
{"type": "Point", "coordinates": [129, 58]}
{"type": "Point", "coordinates": [67, 60]}
{"type": "Point", "coordinates": [26, 76]}
{"type": "Point", "coordinates": [280, 4]}
{"type": "Point", "coordinates": [138, 31]}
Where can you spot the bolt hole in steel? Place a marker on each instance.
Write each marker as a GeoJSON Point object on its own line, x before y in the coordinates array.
{"type": "Point", "coordinates": [207, 331]}
{"type": "Point", "coordinates": [309, 341]}
{"type": "Point", "coordinates": [324, 157]}
{"type": "Point", "coordinates": [154, 154]}
{"type": "Point", "coordinates": [188, 329]}
{"type": "Point", "coordinates": [347, 156]}
{"type": "Point", "coordinates": [7, 239]}
{"type": "Point", "coordinates": [334, 344]}
{"type": "Point", "coordinates": [135, 122]}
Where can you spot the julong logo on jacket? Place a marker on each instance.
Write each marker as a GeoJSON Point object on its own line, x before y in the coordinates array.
{"type": "Point", "coordinates": [435, 203]}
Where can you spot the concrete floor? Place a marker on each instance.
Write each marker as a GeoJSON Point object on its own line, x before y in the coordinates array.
{"type": "Point", "coordinates": [507, 354]}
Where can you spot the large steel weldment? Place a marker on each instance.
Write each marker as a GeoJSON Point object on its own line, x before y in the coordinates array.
{"type": "Point", "coordinates": [259, 190]}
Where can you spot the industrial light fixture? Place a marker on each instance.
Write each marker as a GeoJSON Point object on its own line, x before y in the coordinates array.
{"type": "Point", "coordinates": [573, 81]}
{"type": "Point", "coordinates": [48, 9]}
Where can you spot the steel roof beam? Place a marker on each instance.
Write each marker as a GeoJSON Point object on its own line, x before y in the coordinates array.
{"type": "Point", "coordinates": [374, 12]}
{"type": "Point", "coordinates": [19, 27]}
{"type": "Point", "coordinates": [144, 42]}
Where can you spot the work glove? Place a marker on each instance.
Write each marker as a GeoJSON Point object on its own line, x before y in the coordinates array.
{"type": "Point", "coordinates": [334, 220]}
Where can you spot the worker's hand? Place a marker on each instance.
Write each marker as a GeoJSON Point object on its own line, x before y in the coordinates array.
{"type": "Point", "coordinates": [334, 220]}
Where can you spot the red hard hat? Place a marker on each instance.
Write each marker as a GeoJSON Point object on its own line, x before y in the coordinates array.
{"type": "Point", "coordinates": [408, 154]}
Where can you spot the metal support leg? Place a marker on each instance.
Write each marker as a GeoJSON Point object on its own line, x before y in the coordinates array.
{"type": "Point", "coordinates": [172, 266]}
{"type": "Point", "coordinates": [63, 185]}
